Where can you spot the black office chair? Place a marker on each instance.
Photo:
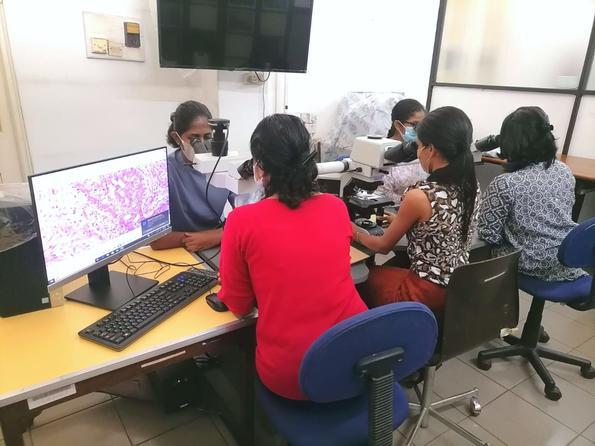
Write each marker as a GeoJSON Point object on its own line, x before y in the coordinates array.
{"type": "Point", "coordinates": [578, 251]}
{"type": "Point", "coordinates": [481, 299]}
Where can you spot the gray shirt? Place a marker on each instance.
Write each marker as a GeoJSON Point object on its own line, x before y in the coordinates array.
{"type": "Point", "coordinates": [189, 209]}
{"type": "Point", "coordinates": [530, 209]}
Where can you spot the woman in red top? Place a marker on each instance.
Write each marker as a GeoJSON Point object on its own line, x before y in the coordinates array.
{"type": "Point", "coordinates": [288, 254]}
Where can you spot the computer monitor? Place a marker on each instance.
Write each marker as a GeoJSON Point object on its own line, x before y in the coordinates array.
{"type": "Point", "coordinates": [89, 216]}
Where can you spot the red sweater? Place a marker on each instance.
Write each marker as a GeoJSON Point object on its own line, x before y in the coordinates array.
{"type": "Point", "coordinates": [295, 265]}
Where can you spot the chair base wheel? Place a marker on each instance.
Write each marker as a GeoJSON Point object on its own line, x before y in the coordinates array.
{"type": "Point", "coordinates": [484, 364]}
{"type": "Point", "coordinates": [553, 393]}
{"type": "Point", "coordinates": [544, 337]}
{"type": "Point", "coordinates": [588, 372]}
{"type": "Point", "coordinates": [474, 406]}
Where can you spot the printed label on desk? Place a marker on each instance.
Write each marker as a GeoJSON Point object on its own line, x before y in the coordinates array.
{"type": "Point", "coordinates": [51, 396]}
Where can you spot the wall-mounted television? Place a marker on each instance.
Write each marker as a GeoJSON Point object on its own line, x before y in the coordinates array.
{"type": "Point", "coordinates": [246, 35]}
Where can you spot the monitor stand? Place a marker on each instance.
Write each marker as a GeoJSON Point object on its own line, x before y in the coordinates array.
{"type": "Point", "coordinates": [110, 289]}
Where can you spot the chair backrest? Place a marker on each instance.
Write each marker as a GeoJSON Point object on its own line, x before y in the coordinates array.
{"type": "Point", "coordinates": [486, 172]}
{"type": "Point", "coordinates": [327, 372]}
{"type": "Point", "coordinates": [578, 248]}
{"type": "Point", "coordinates": [481, 299]}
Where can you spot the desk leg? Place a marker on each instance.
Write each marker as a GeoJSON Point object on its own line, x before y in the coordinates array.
{"type": "Point", "coordinates": [15, 420]}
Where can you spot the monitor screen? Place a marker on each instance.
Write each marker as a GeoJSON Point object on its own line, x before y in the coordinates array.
{"type": "Point", "coordinates": [249, 35]}
{"type": "Point", "coordinates": [92, 214]}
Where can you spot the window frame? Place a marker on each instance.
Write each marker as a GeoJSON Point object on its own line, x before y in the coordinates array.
{"type": "Point", "coordinates": [578, 92]}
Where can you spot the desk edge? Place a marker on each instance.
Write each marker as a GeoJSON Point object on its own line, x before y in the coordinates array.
{"type": "Point", "coordinates": [74, 378]}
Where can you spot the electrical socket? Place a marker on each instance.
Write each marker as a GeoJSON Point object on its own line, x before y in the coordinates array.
{"type": "Point", "coordinates": [252, 79]}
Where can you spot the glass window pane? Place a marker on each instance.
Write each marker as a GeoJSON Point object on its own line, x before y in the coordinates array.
{"type": "Point", "coordinates": [591, 83]}
{"type": "Point", "coordinates": [523, 43]}
{"type": "Point", "coordinates": [488, 108]}
{"type": "Point", "coordinates": [583, 137]}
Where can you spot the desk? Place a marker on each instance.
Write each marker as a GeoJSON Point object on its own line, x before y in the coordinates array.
{"type": "Point", "coordinates": [583, 170]}
{"type": "Point", "coordinates": [41, 353]}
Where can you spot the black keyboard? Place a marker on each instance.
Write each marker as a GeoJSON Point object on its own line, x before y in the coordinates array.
{"type": "Point", "coordinates": [123, 326]}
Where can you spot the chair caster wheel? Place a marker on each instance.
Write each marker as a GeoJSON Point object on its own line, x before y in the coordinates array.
{"type": "Point", "coordinates": [588, 372]}
{"type": "Point", "coordinates": [474, 406]}
{"type": "Point", "coordinates": [543, 336]}
{"type": "Point", "coordinates": [484, 364]}
{"type": "Point", "coordinates": [553, 393]}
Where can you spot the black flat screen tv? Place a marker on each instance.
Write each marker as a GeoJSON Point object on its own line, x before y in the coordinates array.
{"type": "Point", "coordinates": [243, 35]}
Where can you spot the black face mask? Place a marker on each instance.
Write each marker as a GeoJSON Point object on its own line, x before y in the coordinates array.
{"type": "Point", "coordinates": [200, 146]}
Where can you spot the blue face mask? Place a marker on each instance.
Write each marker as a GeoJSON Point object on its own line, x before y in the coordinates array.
{"type": "Point", "coordinates": [410, 134]}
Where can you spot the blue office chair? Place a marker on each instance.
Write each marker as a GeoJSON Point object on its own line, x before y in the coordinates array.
{"type": "Point", "coordinates": [350, 375]}
{"type": "Point", "coordinates": [578, 251]}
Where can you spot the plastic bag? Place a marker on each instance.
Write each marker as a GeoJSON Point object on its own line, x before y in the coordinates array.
{"type": "Point", "coordinates": [400, 178]}
{"type": "Point", "coordinates": [17, 219]}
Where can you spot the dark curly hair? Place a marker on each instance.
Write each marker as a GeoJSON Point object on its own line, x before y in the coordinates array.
{"type": "Point", "coordinates": [280, 146]}
{"type": "Point", "coordinates": [183, 117]}
{"type": "Point", "coordinates": [526, 138]}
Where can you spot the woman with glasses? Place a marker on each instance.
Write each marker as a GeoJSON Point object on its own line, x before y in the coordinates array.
{"type": "Point", "coordinates": [195, 222]}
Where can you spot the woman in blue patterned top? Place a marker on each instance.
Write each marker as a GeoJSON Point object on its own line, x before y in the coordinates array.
{"type": "Point", "coordinates": [529, 206]}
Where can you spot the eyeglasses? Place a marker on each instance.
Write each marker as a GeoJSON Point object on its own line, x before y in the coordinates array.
{"type": "Point", "coordinates": [412, 124]}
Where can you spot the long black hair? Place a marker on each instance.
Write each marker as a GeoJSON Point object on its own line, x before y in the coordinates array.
{"type": "Point", "coordinates": [183, 117]}
{"type": "Point", "coordinates": [402, 111]}
{"type": "Point", "coordinates": [450, 131]}
{"type": "Point", "coordinates": [526, 138]}
{"type": "Point", "coordinates": [280, 145]}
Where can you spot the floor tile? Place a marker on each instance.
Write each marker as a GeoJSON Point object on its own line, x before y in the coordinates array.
{"type": "Point", "coordinates": [507, 372]}
{"type": "Point", "coordinates": [144, 420]}
{"type": "Point", "coordinates": [456, 376]}
{"type": "Point", "coordinates": [584, 317]}
{"type": "Point", "coordinates": [451, 438]}
{"type": "Point", "coordinates": [223, 430]}
{"type": "Point", "coordinates": [97, 426]}
{"type": "Point", "coordinates": [572, 373]}
{"type": "Point", "coordinates": [576, 408]}
{"type": "Point", "coordinates": [581, 441]}
{"type": "Point", "coordinates": [399, 439]}
{"type": "Point", "coordinates": [565, 329]}
{"type": "Point", "coordinates": [588, 348]}
{"type": "Point", "coordinates": [200, 432]}
{"type": "Point", "coordinates": [518, 423]}
{"type": "Point", "coordinates": [70, 407]}
{"type": "Point", "coordinates": [589, 433]}
{"type": "Point", "coordinates": [435, 428]}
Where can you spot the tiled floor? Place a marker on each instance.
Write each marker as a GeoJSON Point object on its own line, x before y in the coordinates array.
{"type": "Point", "coordinates": [515, 411]}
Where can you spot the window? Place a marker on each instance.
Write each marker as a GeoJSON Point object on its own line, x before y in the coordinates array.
{"type": "Point", "coordinates": [519, 43]}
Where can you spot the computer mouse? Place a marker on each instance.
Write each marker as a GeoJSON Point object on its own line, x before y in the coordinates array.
{"type": "Point", "coordinates": [215, 303]}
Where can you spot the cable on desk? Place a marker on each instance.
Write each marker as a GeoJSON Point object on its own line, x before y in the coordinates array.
{"type": "Point", "coordinates": [180, 264]}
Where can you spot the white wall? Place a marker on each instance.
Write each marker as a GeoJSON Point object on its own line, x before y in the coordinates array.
{"type": "Point", "coordinates": [78, 109]}
{"type": "Point", "coordinates": [242, 104]}
{"type": "Point", "coordinates": [377, 45]}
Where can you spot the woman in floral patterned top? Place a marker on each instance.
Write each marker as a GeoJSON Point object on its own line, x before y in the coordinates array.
{"type": "Point", "coordinates": [438, 215]}
{"type": "Point", "coordinates": [529, 207]}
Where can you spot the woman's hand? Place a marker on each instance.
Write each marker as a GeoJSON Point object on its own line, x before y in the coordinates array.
{"type": "Point", "coordinates": [199, 241]}
{"type": "Point", "coordinates": [386, 219]}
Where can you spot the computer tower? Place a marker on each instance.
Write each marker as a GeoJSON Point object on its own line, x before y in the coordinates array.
{"type": "Point", "coordinates": [23, 279]}
{"type": "Point", "coordinates": [176, 386]}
